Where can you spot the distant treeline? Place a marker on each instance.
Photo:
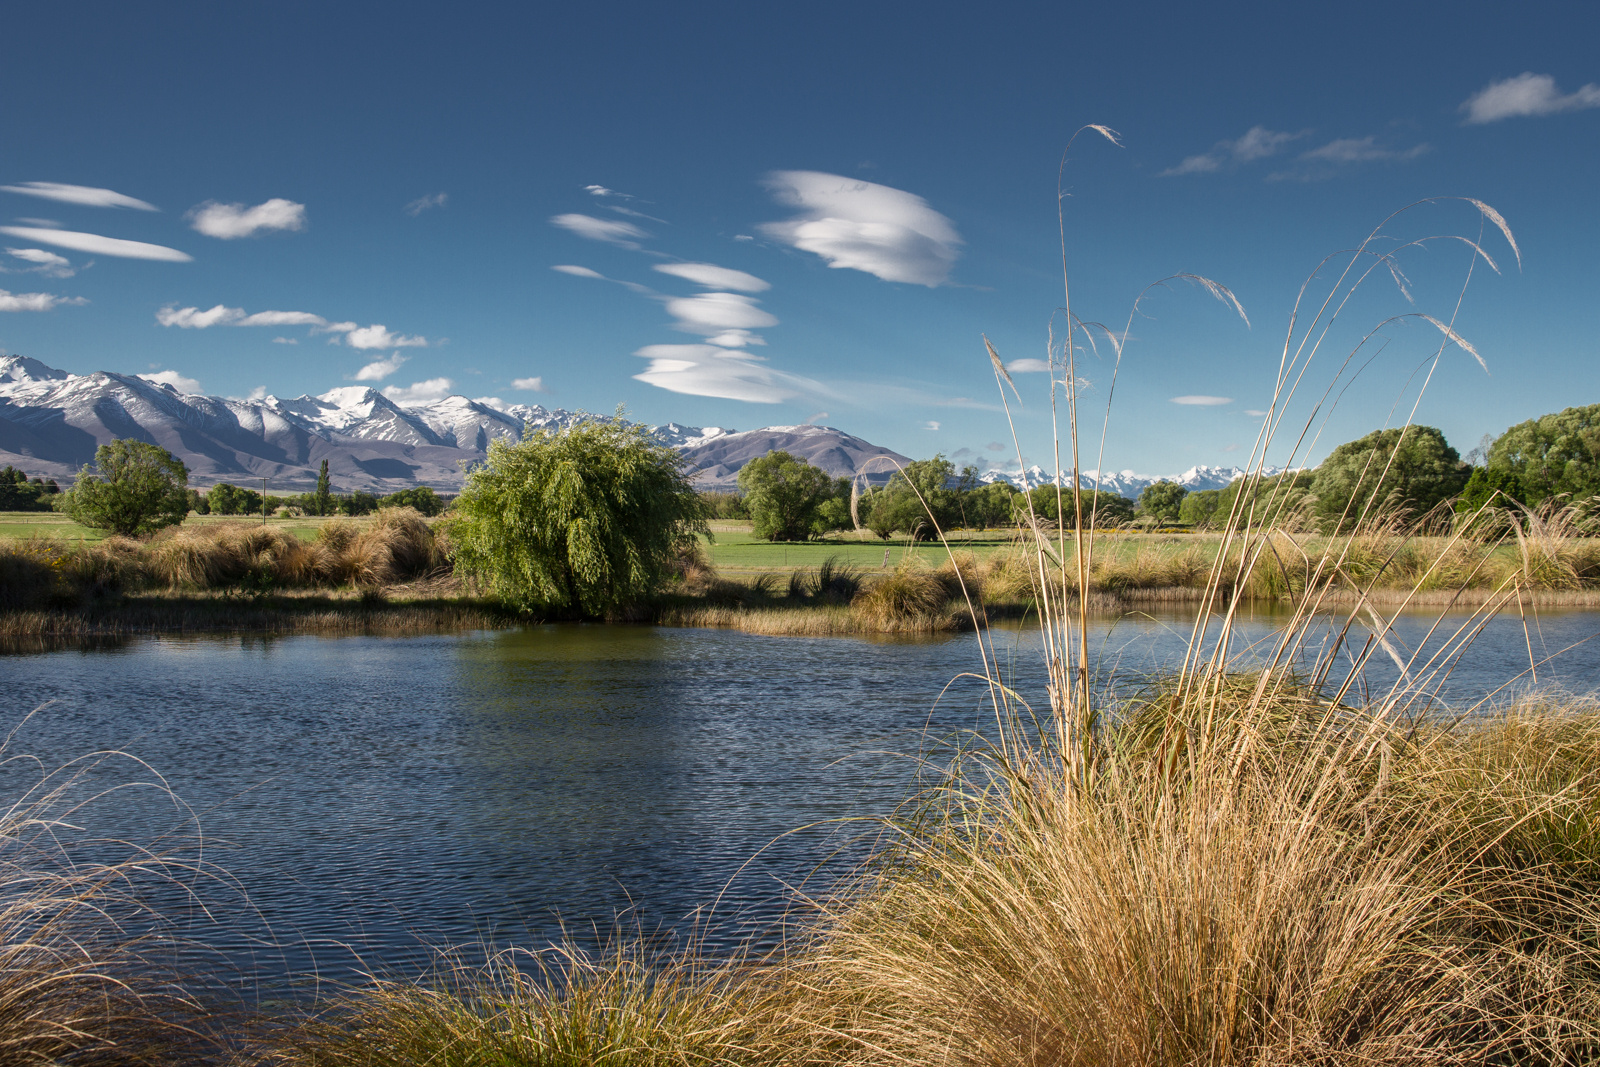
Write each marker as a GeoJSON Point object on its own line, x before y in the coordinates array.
{"type": "Point", "coordinates": [226, 499]}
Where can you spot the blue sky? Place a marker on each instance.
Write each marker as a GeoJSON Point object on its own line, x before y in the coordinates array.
{"type": "Point", "coordinates": [769, 214]}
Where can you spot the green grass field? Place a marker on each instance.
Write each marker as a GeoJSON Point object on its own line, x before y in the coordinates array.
{"type": "Point", "coordinates": [51, 524]}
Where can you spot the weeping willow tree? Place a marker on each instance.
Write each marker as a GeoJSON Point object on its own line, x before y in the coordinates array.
{"type": "Point", "coordinates": [580, 521]}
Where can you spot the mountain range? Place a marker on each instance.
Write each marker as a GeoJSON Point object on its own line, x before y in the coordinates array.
{"type": "Point", "coordinates": [52, 421]}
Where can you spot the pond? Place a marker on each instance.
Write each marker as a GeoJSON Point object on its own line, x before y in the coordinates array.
{"type": "Point", "coordinates": [371, 797]}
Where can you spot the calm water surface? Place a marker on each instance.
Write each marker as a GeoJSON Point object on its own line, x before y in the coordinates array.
{"type": "Point", "coordinates": [375, 796]}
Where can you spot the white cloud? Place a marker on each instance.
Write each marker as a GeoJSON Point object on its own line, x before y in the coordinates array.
{"type": "Point", "coordinates": [1203, 401]}
{"type": "Point", "coordinates": [816, 419]}
{"type": "Point", "coordinates": [712, 313]}
{"type": "Point", "coordinates": [379, 369]}
{"type": "Point", "coordinates": [712, 276]}
{"type": "Point", "coordinates": [423, 203]}
{"type": "Point", "coordinates": [87, 195]}
{"type": "Point", "coordinates": [174, 379]}
{"type": "Point", "coordinates": [95, 244]}
{"type": "Point", "coordinates": [930, 425]}
{"type": "Point", "coordinates": [195, 319]}
{"type": "Point", "coordinates": [1029, 366]}
{"type": "Point", "coordinates": [35, 301]}
{"type": "Point", "coordinates": [285, 340]}
{"type": "Point", "coordinates": [532, 385]}
{"type": "Point", "coordinates": [491, 402]}
{"type": "Point", "coordinates": [229, 221]}
{"type": "Point", "coordinates": [1254, 414]}
{"type": "Point", "coordinates": [622, 234]}
{"type": "Point", "coordinates": [258, 393]}
{"type": "Point", "coordinates": [859, 225]}
{"type": "Point", "coordinates": [1527, 94]}
{"type": "Point", "coordinates": [47, 263]}
{"type": "Point", "coordinates": [378, 336]}
{"type": "Point", "coordinates": [736, 339]}
{"type": "Point", "coordinates": [706, 370]}
{"type": "Point", "coordinates": [600, 190]}
{"type": "Point", "coordinates": [419, 392]}
{"type": "Point", "coordinates": [282, 318]}
{"type": "Point", "coordinates": [1258, 142]}
{"type": "Point", "coordinates": [579, 272]}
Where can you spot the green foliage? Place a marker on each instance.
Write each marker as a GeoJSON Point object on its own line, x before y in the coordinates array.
{"type": "Point", "coordinates": [834, 512]}
{"type": "Point", "coordinates": [583, 521]}
{"type": "Point", "coordinates": [1162, 500]}
{"type": "Point", "coordinates": [1552, 455]}
{"type": "Point", "coordinates": [1280, 500]}
{"type": "Point", "coordinates": [17, 493]}
{"type": "Point", "coordinates": [1108, 509]}
{"type": "Point", "coordinates": [918, 501]}
{"type": "Point", "coordinates": [322, 501]}
{"type": "Point", "coordinates": [783, 494]}
{"type": "Point", "coordinates": [984, 506]}
{"type": "Point", "coordinates": [1487, 485]}
{"type": "Point", "coordinates": [420, 498]}
{"type": "Point", "coordinates": [226, 499]}
{"type": "Point", "coordinates": [139, 488]}
{"type": "Point", "coordinates": [357, 503]}
{"type": "Point", "coordinates": [724, 505]}
{"type": "Point", "coordinates": [1404, 471]}
{"type": "Point", "coordinates": [1199, 508]}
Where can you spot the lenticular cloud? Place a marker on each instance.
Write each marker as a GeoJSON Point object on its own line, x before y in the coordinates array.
{"type": "Point", "coordinates": [888, 233]}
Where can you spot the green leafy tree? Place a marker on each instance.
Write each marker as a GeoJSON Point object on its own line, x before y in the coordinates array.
{"type": "Point", "coordinates": [358, 503]}
{"type": "Point", "coordinates": [134, 488]}
{"type": "Point", "coordinates": [919, 501]}
{"type": "Point", "coordinates": [1488, 486]}
{"type": "Point", "coordinates": [583, 521]}
{"type": "Point", "coordinates": [420, 497]}
{"type": "Point", "coordinates": [1162, 500]}
{"type": "Point", "coordinates": [990, 505]}
{"type": "Point", "coordinates": [1108, 509]}
{"type": "Point", "coordinates": [834, 512]}
{"type": "Point", "coordinates": [1280, 500]}
{"type": "Point", "coordinates": [17, 493]}
{"type": "Point", "coordinates": [1405, 470]}
{"type": "Point", "coordinates": [323, 499]}
{"type": "Point", "coordinates": [783, 494]}
{"type": "Point", "coordinates": [1199, 508]}
{"type": "Point", "coordinates": [226, 499]}
{"type": "Point", "coordinates": [1552, 455]}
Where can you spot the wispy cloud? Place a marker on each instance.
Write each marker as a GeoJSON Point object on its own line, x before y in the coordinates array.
{"type": "Point", "coordinates": [1327, 160]}
{"type": "Point", "coordinates": [600, 190]}
{"type": "Point", "coordinates": [86, 195]}
{"type": "Point", "coordinates": [379, 369]}
{"type": "Point", "coordinates": [35, 301]}
{"type": "Point", "coordinates": [1203, 401]}
{"type": "Point", "coordinates": [419, 392]}
{"type": "Point", "coordinates": [857, 225]}
{"type": "Point", "coordinates": [931, 424]}
{"type": "Point", "coordinates": [1525, 96]}
{"type": "Point", "coordinates": [711, 276]}
{"type": "Point", "coordinates": [230, 221]}
{"type": "Point", "coordinates": [731, 374]}
{"type": "Point", "coordinates": [174, 379]}
{"type": "Point", "coordinates": [1257, 143]}
{"type": "Point", "coordinates": [96, 245]}
{"type": "Point", "coordinates": [285, 340]}
{"type": "Point", "coordinates": [423, 203]}
{"type": "Point", "coordinates": [191, 318]}
{"type": "Point", "coordinates": [47, 263]}
{"type": "Point", "coordinates": [611, 231]}
{"type": "Point", "coordinates": [531, 385]}
{"type": "Point", "coordinates": [585, 272]}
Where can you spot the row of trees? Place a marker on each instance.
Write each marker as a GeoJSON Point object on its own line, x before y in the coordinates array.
{"type": "Point", "coordinates": [19, 493]}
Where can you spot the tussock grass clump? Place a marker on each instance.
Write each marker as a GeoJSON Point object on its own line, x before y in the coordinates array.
{"type": "Point", "coordinates": [910, 591]}
{"type": "Point", "coordinates": [522, 1009]}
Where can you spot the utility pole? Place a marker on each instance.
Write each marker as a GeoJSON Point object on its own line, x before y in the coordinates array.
{"type": "Point", "coordinates": [263, 500]}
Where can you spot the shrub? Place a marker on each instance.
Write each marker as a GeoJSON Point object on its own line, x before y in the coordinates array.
{"type": "Point", "coordinates": [583, 521]}
{"type": "Point", "coordinates": [134, 488]}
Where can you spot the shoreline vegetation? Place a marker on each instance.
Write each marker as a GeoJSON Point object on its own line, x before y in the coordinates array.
{"type": "Point", "coordinates": [392, 575]}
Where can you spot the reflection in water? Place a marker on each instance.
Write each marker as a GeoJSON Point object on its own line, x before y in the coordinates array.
{"type": "Point", "coordinates": [373, 795]}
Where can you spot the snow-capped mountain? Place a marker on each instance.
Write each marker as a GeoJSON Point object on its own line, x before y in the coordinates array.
{"type": "Point", "coordinates": [51, 422]}
{"type": "Point", "coordinates": [1127, 483]}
